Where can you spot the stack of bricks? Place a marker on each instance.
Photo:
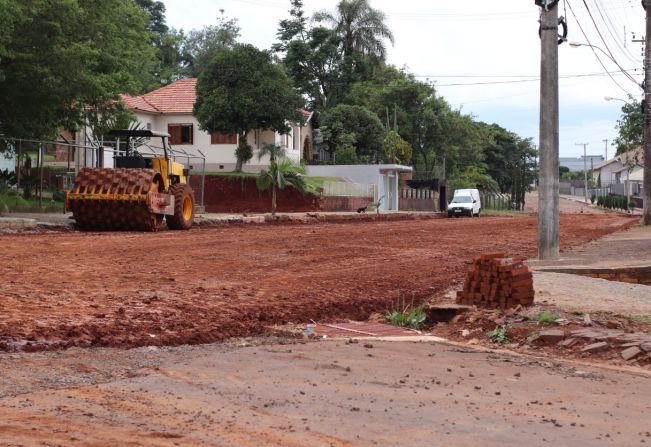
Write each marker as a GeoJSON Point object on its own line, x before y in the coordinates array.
{"type": "Point", "coordinates": [497, 282]}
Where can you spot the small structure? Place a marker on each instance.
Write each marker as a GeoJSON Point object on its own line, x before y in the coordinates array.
{"type": "Point", "coordinates": [8, 161]}
{"type": "Point", "coordinates": [605, 174]}
{"type": "Point", "coordinates": [385, 177]}
{"type": "Point", "coordinates": [577, 164]}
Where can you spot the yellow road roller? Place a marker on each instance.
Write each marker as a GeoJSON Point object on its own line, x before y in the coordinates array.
{"type": "Point", "coordinates": [136, 195]}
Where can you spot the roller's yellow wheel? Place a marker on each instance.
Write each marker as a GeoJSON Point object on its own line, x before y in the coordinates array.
{"type": "Point", "coordinates": [183, 208]}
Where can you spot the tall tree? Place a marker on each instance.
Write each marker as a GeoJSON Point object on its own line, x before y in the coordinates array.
{"type": "Point", "coordinates": [630, 127]}
{"type": "Point", "coordinates": [66, 61]}
{"type": "Point", "coordinates": [166, 42]}
{"type": "Point", "coordinates": [201, 46]}
{"type": "Point", "coordinates": [313, 58]}
{"type": "Point", "coordinates": [242, 89]}
{"type": "Point", "coordinates": [344, 126]}
{"type": "Point", "coordinates": [361, 28]}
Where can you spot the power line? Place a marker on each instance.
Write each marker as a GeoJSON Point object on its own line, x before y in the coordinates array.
{"type": "Point", "coordinates": [518, 81]}
{"type": "Point", "coordinates": [593, 48]}
{"type": "Point", "coordinates": [606, 43]}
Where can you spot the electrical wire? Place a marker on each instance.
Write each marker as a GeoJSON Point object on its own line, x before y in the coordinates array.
{"type": "Point", "coordinates": [606, 43]}
{"type": "Point", "coordinates": [594, 51]}
{"type": "Point", "coordinates": [519, 81]}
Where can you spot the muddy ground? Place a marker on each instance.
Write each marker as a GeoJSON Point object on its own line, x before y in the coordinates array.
{"type": "Point", "coordinates": [320, 394]}
{"type": "Point", "coordinates": [170, 288]}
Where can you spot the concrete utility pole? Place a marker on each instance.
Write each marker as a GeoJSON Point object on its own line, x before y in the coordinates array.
{"type": "Point", "coordinates": [647, 116]}
{"type": "Point", "coordinates": [606, 141]}
{"type": "Point", "coordinates": [585, 170]}
{"type": "Point", "coordinates": [548, 199]}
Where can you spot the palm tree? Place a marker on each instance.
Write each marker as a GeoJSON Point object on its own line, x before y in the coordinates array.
{"type": "Point", "coordinates": [281, 173]}
{"type": "Point", "coordinates": [360, 27]}
{"type": "Point", "coordinates": [272, 150]}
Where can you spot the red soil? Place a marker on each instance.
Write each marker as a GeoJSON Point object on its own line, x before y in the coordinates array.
{"type": "Point", "coordinates": [134, 289]}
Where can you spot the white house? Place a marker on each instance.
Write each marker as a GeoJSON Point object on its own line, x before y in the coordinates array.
{"type": "Point", "coordinates": [386, 179]}
{"type": "Point", "coordinates": [169, 109]}
{"type": "Point", "coordinates": [610, 172]}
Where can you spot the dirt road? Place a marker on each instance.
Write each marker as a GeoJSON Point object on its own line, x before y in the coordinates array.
{"type": "Point", "coordinates": [317, 394]}
{"type": "Point", "coordinates": [171, 288]}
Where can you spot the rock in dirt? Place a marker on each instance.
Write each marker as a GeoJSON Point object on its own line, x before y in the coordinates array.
{"type": "Point", "coordinates": [596, 347]}
{"type": "Point", "coordinates": [552, 335]}
{"type": "Point", "coordinates": [646, 347]}
{"type": "Point", "coordinates": [631, 353]}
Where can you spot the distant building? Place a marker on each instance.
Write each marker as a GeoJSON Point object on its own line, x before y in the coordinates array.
{"type": "Point", "coordinates": [576, 164]}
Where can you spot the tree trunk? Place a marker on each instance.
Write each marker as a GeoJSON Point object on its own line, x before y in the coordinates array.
{"type": "Point", "coordinates": [273, 201]}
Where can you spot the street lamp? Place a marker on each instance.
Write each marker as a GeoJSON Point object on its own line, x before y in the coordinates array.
{"type": "Point", "coordinates": [610, 98]}
{"type": "Point", "coordinates": [578, 44]}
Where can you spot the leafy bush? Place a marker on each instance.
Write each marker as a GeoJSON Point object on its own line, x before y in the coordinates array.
{"type": "Point", "coordinates": [498, 335]}
{"type": "Point", "coordinates": [547, 317]}
{"type": "Point", "coordinates": [412, 319]}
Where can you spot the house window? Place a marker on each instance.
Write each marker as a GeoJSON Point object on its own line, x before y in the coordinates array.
{"type": "Point", "coordinates": [180, 133]}
{"type": "Point", "coordinates": [223, 138]}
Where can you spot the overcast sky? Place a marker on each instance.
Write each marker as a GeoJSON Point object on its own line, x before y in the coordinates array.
{"type": "Point", "coordinates": [483, 42]}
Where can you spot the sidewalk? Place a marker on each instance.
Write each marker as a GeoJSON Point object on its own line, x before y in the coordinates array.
{"type": "Point", "coordinates": [611, 274]}
{"type": "Point", "coordinates": [25, 220]}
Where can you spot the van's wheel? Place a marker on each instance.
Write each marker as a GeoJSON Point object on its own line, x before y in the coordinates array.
{"type": "Point", "coordinates": [183, 208]}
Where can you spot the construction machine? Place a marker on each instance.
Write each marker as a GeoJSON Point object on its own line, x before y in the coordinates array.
{"type": "Point", "coordinates": [138, 193]}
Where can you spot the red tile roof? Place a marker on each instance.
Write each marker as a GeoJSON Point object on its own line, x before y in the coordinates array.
{"type": "Point", "coordinates": [138, 103]}
{"type": "Point", "coordinates": [177, 97]}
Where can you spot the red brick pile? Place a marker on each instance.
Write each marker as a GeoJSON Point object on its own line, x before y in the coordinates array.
{"type": "Point", "coordinates": [496, 281]}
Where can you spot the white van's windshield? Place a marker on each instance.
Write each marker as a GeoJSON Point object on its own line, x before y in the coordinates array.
{"type": "Point", "coordinates": [462, 199]}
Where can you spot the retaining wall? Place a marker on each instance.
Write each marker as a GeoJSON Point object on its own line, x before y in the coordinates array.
{"type": "Point", "coordinates": [224, 194]}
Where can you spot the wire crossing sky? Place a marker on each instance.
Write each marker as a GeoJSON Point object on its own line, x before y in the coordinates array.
{"type": "Point", "coordinates": [484, 57]}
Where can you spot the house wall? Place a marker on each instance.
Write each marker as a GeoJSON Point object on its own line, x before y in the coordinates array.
{"type": "Point", "coordinates": [607, 173]}
{"type": "Point", "coordinates": [7, 162]}
{"type": "Point", "coordinates": [221, 157]}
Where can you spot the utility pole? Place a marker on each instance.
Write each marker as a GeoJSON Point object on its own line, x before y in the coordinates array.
{"type": "Point", "coordinates": [548, 198]}
{"type": "Point", "coordinates": [585, 170]}
{"type": "Point", "coordinates": [647, 116]}
{"type": "Point", "coordinates": [606, 141]}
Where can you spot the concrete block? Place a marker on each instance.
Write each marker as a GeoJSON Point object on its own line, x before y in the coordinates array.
{"type": "Point", "coordinates": [631, 353]}
{"type": "Point", "coordinates": [596, 347]}
{"type": "Point", "coordinates": [551, 335]}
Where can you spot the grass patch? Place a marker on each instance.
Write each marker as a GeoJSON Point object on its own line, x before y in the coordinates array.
{"type": "Point", "coordinates": [413, 318]}
{"type": "Point", "coordinates": [641, 319]}
{"type": "Point", "coordinates": [313, 183]}
{"type": "Point", "coordinates": [9, 201]}
{"type": "Point", "coordinates": [229, 174]}
{"type": "Point", "coordinates": [511, 213]}
{"type": "Point", "coordinates": [547, 317]}
{"type": "Point", "coordinates": [498, 335]}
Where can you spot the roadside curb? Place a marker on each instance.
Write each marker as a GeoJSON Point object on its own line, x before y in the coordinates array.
{"type": "Point", "coordinates": [316, 218]}
{"type": "Point", "coordinates": [17, 223]}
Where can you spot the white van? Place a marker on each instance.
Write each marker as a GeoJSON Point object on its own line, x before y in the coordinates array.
{"type": "Point", "coordinates": [466, 202]}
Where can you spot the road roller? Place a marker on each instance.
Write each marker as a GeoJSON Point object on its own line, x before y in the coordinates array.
{"type": "Point", "coordinates": [138, 193]}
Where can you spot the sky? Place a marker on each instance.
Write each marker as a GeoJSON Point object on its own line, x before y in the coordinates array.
{"type": "Point", "coordinates": [484, 56]}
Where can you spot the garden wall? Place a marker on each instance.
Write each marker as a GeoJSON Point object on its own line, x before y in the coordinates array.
{"type": "Point", "coordinates": [225, 194]}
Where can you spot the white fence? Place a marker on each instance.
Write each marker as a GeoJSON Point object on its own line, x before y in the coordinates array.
{"type": "Point", "coordinates": [346, 189]}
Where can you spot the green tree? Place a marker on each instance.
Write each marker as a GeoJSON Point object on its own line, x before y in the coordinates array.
{"type": "Point", "coordinates": [630, 127]}
{"type": "Point", "coordinates": [313, 58]}
{"type": "Point", "coordinates": [396, 150]}
{"type": "Point", "coordinates": [272, 150]}
{"type": "Point", "coordinates": [361, 29]}
{"type": "Point", "coordinates": [201, 46]}
{"type": "Point", "coordinates": [241, 89]}
{"type": "Point", "coordinates": [355, 126]}
{"type": "Point", "coordinates": [282, 173]}
{"type": "Point", "coordinates": [65, 62]}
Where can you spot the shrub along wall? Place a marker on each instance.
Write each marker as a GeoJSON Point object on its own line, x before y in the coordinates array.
{"type": "Point", "coordinates": [225, 194]}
